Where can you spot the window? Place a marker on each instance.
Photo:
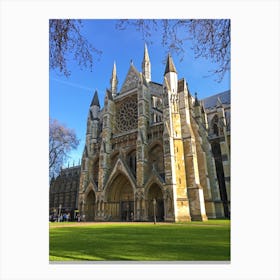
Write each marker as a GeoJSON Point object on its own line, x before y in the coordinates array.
{"type": "Point", "coordinates": [132, 161]}
{"type": "Point", "coordinates": [215, 128]}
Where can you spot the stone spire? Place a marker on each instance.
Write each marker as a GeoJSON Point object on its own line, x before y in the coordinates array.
{"type": "Point", "coordinates": [114, 80]}
{"type": "Point", "coordinates": [170, 65]}
{"type": "Point", "coordinates": [95, 100]}
{"type": "Point", "coordinates": [94, 110]}
{"type": "Point", "coordinates": [146, 65]}
{"type": "Point", "coordinates": [196, 103]}
{"type": "Point", "coordinates": [146, 54]}
{"type": "Point", "coordinates": [197, 109]}
{"type": "Point", "coordinates": [171, 75]}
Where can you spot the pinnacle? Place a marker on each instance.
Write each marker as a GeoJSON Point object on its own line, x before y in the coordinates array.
{"type": "Point", "coordinates": [109, 94]}
{"type": "Point", "coordinates": [146, 54]}
{"type": "Point", "coordinates": [196, 103]}
{"type": "Point", "coordinates": [95, 100]}
{"type": "Point", "coordinates": [169, 65]}
{"type": "Point", "coordinates": [114, 72]}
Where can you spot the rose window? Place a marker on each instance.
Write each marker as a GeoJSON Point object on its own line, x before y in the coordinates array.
{"type": "Point", "coordinates": [127, 116]}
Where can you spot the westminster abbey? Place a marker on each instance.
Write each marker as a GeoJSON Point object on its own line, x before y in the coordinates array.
{"type": "Point", "coordinates": [153, 150]}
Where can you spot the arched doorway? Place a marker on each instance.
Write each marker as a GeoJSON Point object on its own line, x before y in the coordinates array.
{"type": "Point", "coordinates": [120, 200]}
{"type": "Point", "coordinates": [90, 206]}
{"type": "Point", "coordinates": [155, 193]}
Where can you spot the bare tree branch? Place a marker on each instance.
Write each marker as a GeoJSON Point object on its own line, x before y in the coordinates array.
{"type": "Point", "coordinates": [66, 42]}
{"type": "Point", "coordinates": [210, 38]}
{"type": "Point", "coordinates": [61, 141]}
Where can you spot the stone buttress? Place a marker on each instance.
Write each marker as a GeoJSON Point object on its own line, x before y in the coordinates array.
{"type": "Point", "coordinates": [175, 171]}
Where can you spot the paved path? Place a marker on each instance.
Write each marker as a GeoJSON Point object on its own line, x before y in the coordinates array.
{"type": "Point", "coordinates": [76, 224]}
{"type": "Point", "coordinates": [65, 224]}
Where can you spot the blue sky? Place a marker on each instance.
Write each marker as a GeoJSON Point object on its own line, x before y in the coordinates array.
{"type": "Point", "coordinates": [70, 97]}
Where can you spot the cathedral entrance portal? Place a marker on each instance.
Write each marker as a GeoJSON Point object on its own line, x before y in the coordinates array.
{"type": "Point", "coordinates": [90, 206]}
{"type": "Point", "coordinates": [120, 200]}
{"type": "Point", "coordinates": [155, 193]}
{"type": "Point", "coordinates": [127, 209]}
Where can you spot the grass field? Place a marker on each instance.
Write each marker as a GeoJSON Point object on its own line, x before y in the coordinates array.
{"type": "Point", "coordinates": [203, 241]}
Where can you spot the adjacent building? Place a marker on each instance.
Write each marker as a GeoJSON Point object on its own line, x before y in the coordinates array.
{"type": "Point", "coordinates": [63, 194]}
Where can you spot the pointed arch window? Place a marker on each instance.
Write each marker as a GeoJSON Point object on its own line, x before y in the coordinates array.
{"type": "Point", "coordinates": [214, 126]}
{"type": "Point", "coordinates": [131, 160]}
{"type": "Point", "coordinates": [156, 160]}
{"type": "Point", "coordinates": [215, 129]}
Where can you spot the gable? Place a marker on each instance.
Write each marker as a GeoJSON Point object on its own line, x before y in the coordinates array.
{"type": "Point", "coordinates": [131, 80]}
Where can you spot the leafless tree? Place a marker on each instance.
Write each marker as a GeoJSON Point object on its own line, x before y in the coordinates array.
{"type": "Point", "coordinates": [67, 42]}
{"type": "Point", "coordinates": [210, 38]}
{"type": "Point", "coordinates": [61, 141]}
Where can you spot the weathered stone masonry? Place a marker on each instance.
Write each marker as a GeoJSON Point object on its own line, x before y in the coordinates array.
{"type": "Point", "coordinates": [153, 143]}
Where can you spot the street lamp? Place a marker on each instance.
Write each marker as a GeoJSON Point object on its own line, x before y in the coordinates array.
{"type": "Point", "coordinates": [154, 203]}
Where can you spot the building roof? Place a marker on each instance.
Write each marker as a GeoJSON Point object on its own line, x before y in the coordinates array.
{"type": "Point", "coordinates": [211, 101]}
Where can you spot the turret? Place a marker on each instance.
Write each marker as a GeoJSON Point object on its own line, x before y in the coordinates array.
{"type": "Point", "coordinates": [146, 65]}
{"type": "Point", "coordinates": [106, 144]}
{"type": "Point", "coordinates": [171, 74]}
{"type": "Point", "coordinates": [95, 106]}
{"type": "Point", "coordinates": [94, 119]}
{"type": "Point", "coordinates": [173, 146]}
{"type": "Point", "coordinates": [114, 81]}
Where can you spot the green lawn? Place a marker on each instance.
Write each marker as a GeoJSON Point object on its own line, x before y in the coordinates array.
{"type": "Point", "coordinates": [140, 242]}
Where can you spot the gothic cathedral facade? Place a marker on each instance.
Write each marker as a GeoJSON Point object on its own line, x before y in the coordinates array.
{"type": "Point", "coordinates": [148, 152]}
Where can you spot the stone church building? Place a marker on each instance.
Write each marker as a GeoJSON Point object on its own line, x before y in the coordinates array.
{"type": "Point", "coordinates": [155, 149]}
{"type": "Point", "coordinates": [152, 150]}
